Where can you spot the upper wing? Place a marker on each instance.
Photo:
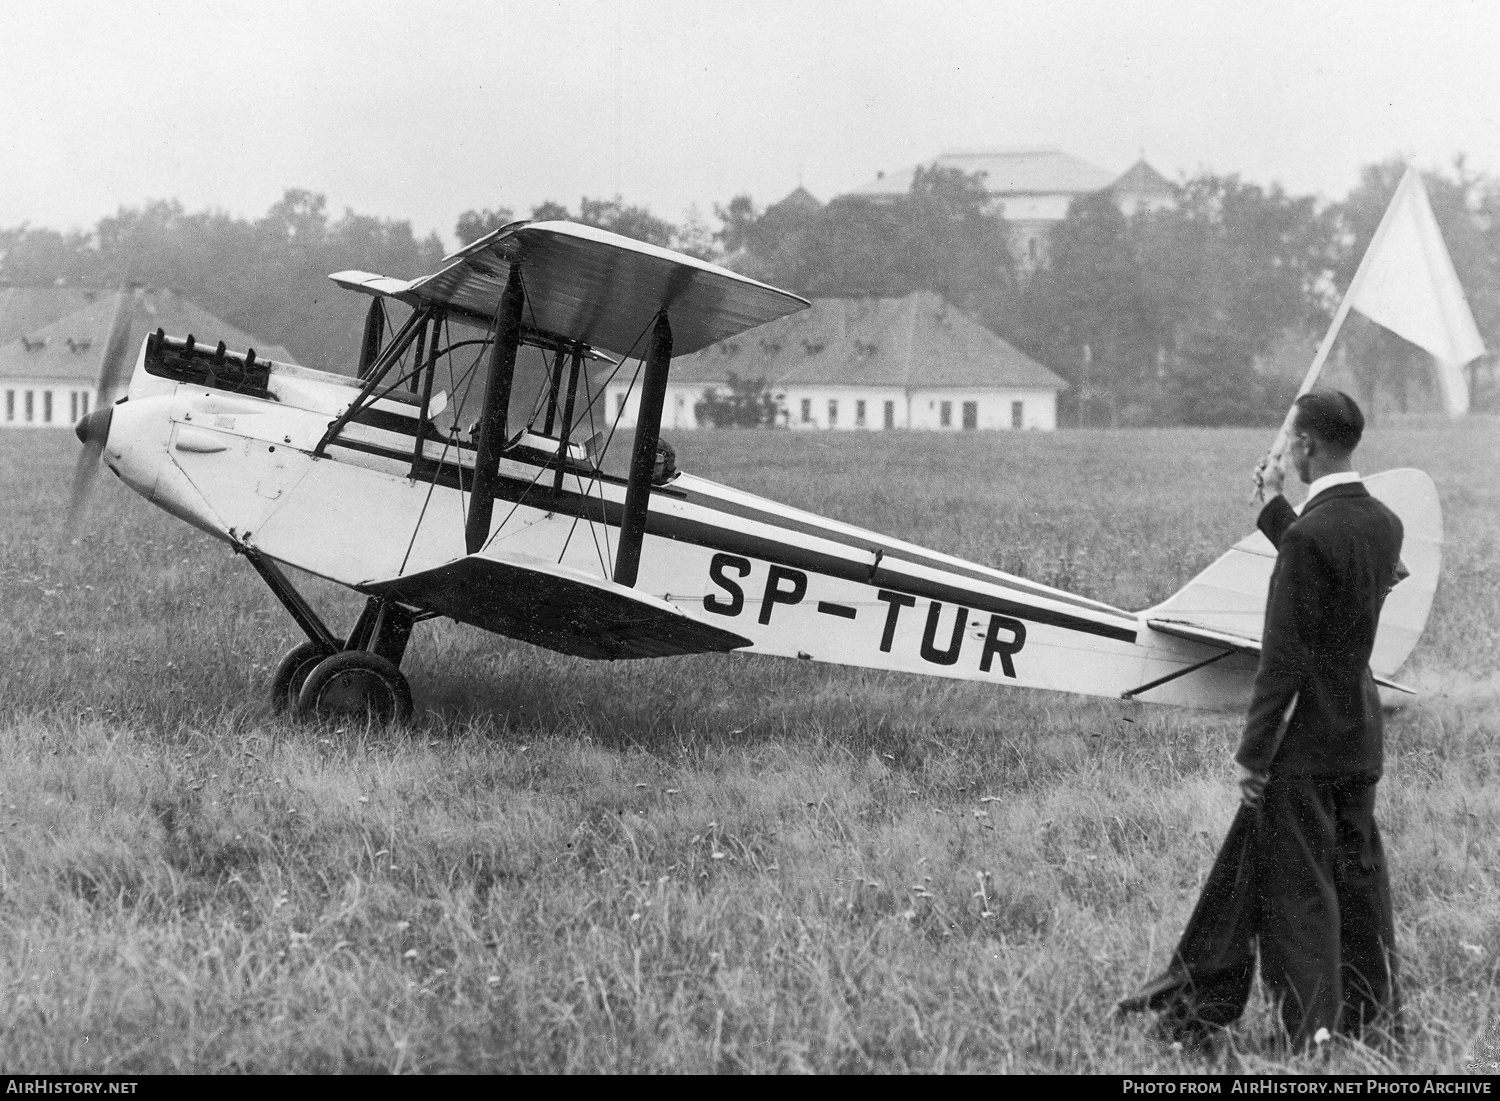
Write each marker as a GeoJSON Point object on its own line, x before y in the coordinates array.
{"type": "Point", "coordinates": [557, 607]}
{"type": "Point", "coordinates": [592, 286]}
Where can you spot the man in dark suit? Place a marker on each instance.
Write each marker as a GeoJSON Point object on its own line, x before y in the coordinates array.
{"type": "Point", "coordinates": [1302, 873]}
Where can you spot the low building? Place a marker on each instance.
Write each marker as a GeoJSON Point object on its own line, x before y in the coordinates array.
{"type": "Point", "coordinates": [52, 346]}
{"type": "Point", "coordinates": [1032, 190]}
{"type": "Point", "coordinates": [867, 363]}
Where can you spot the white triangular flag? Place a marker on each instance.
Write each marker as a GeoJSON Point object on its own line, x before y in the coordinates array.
{"type": "Point", "coordinates": [1407, 283]}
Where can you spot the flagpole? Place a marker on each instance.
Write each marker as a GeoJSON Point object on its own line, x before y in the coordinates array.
{"type": "Point", "coordinates": [1310, 379]}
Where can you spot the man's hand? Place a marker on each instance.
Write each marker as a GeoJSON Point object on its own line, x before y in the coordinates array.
{"type": "Point", "coordinates": [1269, 477]}
{"type": "Point", "coordinates": [1253, 788]}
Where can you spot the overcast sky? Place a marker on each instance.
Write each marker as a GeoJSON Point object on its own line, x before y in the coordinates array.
{"type": "Point", "coordinates": [420, 111]}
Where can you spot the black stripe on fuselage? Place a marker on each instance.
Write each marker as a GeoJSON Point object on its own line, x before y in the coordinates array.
{"type": "Point", "coordinates": [870, 546]}
{"type": "Point", "coordinates": [387, 421]}
{"type": "Point", "coordinates": [728, 539]}
{"type": "Point", "coordinates": [539, 494]}
{"type": "Point", "coordinates": [395, 422]}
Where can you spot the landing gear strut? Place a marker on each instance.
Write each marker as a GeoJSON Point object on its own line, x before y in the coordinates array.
{"type": "Point", "coordinates": [329, 678]}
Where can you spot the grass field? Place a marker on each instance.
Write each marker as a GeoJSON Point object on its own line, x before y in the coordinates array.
{"type": "Point", "coordinates": [710, 863]}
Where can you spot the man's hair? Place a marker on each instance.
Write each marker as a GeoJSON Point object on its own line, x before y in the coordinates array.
{"type": "Point", "coordinates": [1331, 416]}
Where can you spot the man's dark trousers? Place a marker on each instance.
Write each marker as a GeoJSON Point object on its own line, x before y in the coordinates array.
{"type": "Point", "coordinates": [1306, 877]}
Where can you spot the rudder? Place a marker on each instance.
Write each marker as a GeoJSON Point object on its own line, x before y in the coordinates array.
{"type": "Point", "coordinates": [1230, 595]}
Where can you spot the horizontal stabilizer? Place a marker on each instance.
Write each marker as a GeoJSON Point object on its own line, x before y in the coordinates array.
{"type": "Point", "coordinates": [592, 286]}
{"type": "Point", "coordinates": [1238, 644]}
{"type": "Point", "coordinates": [556, 607]}
{"type": "Point", "coordinates": [1225, 605]}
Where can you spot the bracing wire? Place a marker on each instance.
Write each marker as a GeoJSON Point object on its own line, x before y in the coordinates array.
{"type": "Point", "coordinates": [442, 455]}
{"type": "Point", "coordinates": [606, 554]}
{"type": "Point", "coordinates": [587, 496]}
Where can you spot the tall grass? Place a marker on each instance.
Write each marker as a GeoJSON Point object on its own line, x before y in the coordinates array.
{"type": "Point", "coordinates": [709, 863]}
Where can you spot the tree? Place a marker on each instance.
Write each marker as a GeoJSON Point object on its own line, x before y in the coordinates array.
{"type": "Point", "coordinates": [628, 221]}
{"type": "Point", "coordinates": [742, 403]}
{"type": "Point", "coordinates": [737, 220]}
{"type": "Point", "coordinates": [1213, 383]}
{"type": "Point", "coordinates": [1088, 314]}
{"type": "Point", "coordinates": [773, 246]}
{"type": "Point", "coordinates": [550, 211]}
{"type": "Point", "coordinates": [694, 238]}
{"type": "Point", "coordinates": [956, 245]}
{"type": "Point", "coordinates": [614, 215]}
{"type": "Point", "coordinates": [1230, 270]}
{"type": "Point", "coordinates": [1467, 209]}
{"type": "Point", "coordinates": [474, 224]}
{"type": "Point", "coordinates": [34, 256]}
{"type": "Point", "coordinates": [941, 236]}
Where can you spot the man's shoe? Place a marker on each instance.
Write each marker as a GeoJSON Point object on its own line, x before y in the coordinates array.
{"type": "Point", "coordinates": [1155, 994]}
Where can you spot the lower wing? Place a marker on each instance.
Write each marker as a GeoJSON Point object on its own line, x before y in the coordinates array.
{"type": "Point", "coordinates": [557, 607]}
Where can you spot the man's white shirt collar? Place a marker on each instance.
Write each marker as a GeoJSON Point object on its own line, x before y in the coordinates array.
{"type": "Point", "coordinates": [1328, 481]}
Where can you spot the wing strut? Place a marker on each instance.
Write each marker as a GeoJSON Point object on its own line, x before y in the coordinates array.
{"type": "Point", "coordinates": [369, 348]}
{"type": "Point", "coordinates": [643, 457]}
{"type": "Point", "coordinates": [496, 409]}
{"type": "Point", "coordinates": [376, 375]}
{"type": "Point", "coordinates": [567, 422]}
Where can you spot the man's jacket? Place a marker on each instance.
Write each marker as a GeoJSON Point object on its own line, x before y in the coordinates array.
{"type": "Point", "coordinates": [1334, 565]}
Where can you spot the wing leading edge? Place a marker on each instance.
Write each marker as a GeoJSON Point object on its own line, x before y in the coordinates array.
{"type": "Point", "coordinates": [558, 608]}
{"type": "Point", "coordinates": [592, 286]}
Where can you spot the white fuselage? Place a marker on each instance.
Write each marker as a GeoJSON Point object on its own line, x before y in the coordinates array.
{"type": "Point", "coordinates": [372, 509]}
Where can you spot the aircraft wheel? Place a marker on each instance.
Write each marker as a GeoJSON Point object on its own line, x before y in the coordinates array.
{"type": "Point", "coordinates": [291, 674]}
{"type": "Point", "coordinates": [355, 684]}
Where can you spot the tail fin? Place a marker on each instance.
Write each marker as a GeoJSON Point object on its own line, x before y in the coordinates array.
{"type": "Point", "coordinates": [1229, 598]}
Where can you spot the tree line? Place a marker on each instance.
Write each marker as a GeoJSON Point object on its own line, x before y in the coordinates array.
{"type": "Point", "coordinates": [1206, 312]}
{"type": "Point", "coordinates": [1201, 313]}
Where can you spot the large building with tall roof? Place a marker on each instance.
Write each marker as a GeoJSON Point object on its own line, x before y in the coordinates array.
{"type": "Point", "coordinates": [52, 345]}
{"type": "Point", "coordinates": [1032, 190]}
{"type": "Point", "coordinates": [867, 363]}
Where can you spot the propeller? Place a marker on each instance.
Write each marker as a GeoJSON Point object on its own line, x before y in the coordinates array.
{"type": "Point", "coordinates": [93, 429]}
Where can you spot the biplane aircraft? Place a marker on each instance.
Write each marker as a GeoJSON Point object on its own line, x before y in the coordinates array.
{"type": "Point", "coordinates": [461, 473]}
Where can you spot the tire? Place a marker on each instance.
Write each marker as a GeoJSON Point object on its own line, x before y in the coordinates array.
{"type": "Point", "coordinates": [292, 673]}
{"type": "Point", "coordinates": [355, 684]}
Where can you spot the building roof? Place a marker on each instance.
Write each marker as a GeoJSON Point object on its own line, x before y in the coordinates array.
{"type": "Point", "coordinates": [1007, 172]}
{"type": "Point", "coordinates": [797, 201]}
{"type": "Point", "coordinates": [1141, 179]}
{"type": "Point", "coordinates": [916, 342]}
{"type": "Point", "coordinates": [71, 347]}
{"type": "Point", "coordinates": [26, 309]}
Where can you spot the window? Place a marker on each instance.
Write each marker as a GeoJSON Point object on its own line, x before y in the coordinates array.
{"type": "Point", "coordinates": [971, 415]}
{"type": "Point", "coordinates": [47, 406]}
{"type": "Point", "coordinates": [73, 405]}
{"type": "Point", "coordinates": [1018, 414]}
{"type": "Point", "coordinates": [10, 405]}
{"type": "Point", "coordinates": [807, 410]}
{"type": "Point", "coordinates": [619, 406]}
{"type": "Point", "coordinates": [833, 412]}
{"type": "Point", "coordinates": [30, 406]}
{"type": "Point", "coordinates": [859, 413]}
{"type": "Point", "coordinates": [890, 414]}
{"type": "Point", "coordinates": [945, 414]}
{"type": "Point", "coordinates": [84, 403]}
